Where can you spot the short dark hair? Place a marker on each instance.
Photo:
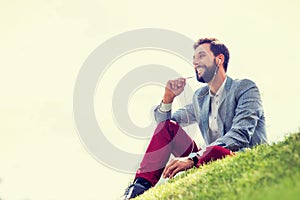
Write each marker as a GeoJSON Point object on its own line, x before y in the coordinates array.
{"type": "Point", "coordinates": [216, 47]}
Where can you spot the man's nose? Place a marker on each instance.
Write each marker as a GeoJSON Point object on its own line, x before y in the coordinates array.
{"type": "Point", "coordinates": [195, 63]}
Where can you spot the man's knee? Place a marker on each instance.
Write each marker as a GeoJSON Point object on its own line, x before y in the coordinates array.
{"type": "Point", "coordinates": [169, 126]}
{"type": "Point", "coordinates": [212, 153]}
{"type": "Point", "coordinates": [218, 151]}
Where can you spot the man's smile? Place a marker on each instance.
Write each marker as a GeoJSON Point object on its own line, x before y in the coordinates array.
{"type": "Point", "coordinates": [200, 70]}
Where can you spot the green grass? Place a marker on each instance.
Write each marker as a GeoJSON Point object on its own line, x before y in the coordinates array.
{"type": "Point", "coordinates": [265, 172]}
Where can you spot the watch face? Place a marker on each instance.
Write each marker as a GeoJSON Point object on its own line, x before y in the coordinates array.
{"type": "Point", "coordinates": [192, 155]}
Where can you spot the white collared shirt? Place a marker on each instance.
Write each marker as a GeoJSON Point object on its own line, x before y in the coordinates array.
{"type": "Point", "coordinates": [213, 129]}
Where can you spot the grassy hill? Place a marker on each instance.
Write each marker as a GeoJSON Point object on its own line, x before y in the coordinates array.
{"type": "Point", "coordinates": [265, 172]}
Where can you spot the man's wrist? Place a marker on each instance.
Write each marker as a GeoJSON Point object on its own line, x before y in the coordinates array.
{"type": "Point", "coordinates": [194, 157]}
{"type": "Point", "coordinates": [168, 99]}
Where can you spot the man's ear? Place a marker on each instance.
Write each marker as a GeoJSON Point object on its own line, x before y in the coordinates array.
{"type": "Point", "coordinates": [221, 59]}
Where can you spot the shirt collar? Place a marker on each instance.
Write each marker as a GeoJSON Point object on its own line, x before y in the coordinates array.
{"type": "Point", "coordinates": [220, 90]}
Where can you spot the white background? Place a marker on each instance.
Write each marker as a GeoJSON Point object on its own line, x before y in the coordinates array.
{"type": "Point", "coordinates": [44, 43]}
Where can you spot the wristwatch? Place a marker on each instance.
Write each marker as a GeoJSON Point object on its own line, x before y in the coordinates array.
{"type": "Point", "coordinates": [194, 157]}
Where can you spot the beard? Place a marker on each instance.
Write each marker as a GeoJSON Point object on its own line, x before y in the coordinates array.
{"type": "Point", "coordinates": [208, 74]}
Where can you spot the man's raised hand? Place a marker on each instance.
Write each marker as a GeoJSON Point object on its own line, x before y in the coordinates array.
{"type": "Point", "coordinates": [173, 88]}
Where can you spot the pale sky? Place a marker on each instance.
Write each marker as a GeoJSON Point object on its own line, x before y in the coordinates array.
{"type": "Point", "coordinates": [45, 43]}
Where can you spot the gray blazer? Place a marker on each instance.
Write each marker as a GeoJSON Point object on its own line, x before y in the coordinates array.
{"type": "Point", "coordinates": [241, 118]}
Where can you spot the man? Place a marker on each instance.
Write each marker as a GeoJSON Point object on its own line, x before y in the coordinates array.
{"type": "Point", "coordinates": [229, 114]}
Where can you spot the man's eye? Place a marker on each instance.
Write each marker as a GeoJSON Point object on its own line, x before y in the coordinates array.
{"type": "Point", "coordinates": [199, 56]}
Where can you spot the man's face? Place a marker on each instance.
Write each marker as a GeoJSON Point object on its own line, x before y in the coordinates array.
{"type": "Point", "coordinates": [204, 63]}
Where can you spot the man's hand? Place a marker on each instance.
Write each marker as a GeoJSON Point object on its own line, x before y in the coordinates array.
{"type": "Point", "coordinates": [173, 89]}
{"type": "Point", "coordinates": [176, 165]}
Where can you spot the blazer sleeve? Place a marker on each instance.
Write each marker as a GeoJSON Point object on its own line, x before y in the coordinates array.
{"type": "Point", "coordinates": [183, 116]}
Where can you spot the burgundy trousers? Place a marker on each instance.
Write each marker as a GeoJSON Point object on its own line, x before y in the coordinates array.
{"type": "Point", "coordinates": [169, 138]}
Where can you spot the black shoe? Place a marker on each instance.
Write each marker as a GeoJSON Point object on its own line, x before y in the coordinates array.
{"type": "Point", "coordinates": [139, 186]}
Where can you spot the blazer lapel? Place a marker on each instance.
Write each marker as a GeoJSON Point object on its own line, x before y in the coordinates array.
{"type": "Point", "coordinates": [226, 90]}
{"type": "Point", "coordinates": [223, 108]}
